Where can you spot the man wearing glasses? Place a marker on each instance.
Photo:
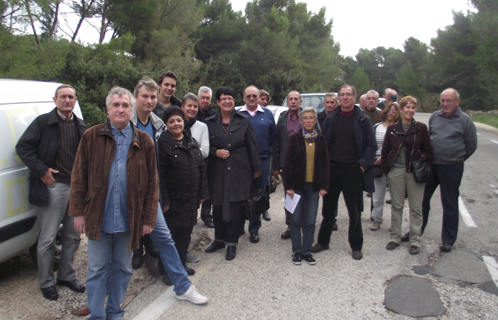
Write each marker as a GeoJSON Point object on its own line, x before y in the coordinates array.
{"type": "Point", "coordinates": [352, 146]}
{"type": "Point", "coordinates": [264, 126]}
{"type": "Point", "coordinates": [453, 140]}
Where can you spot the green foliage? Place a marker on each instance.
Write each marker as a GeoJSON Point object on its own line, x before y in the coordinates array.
{"type": "Point", "coordinates": [485, 118]}
{"type": "Point", "coordinates": [360, 81]}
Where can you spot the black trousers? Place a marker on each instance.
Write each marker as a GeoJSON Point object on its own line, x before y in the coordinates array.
{"type": "Point", "coordinates": [228, 232]}
{"type": "Point", "coordinates": [181, 236]}
{"type": "Point", "coordinates": [349, 181]}
{"type": "Point", "coordinates": [448, 177]}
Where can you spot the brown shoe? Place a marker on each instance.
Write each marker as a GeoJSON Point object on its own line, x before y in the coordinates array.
{"type": "Point", "coordinates": [392, 245]}
{"type": "Point", "coordinates": [357, 255]}
{"type": "Point", "coordinates": [319, 247]}
{"type": "Point", "coordinates": [81, 312]}
{"type": "Point", "coordinates": [414, 250]}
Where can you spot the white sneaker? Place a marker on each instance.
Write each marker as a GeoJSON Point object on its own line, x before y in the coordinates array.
{"type": "Point", "coordinates": [193, 296]}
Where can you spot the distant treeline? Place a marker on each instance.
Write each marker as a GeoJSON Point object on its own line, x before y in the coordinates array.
{"type": "Point", "coordinates": [277, 45]}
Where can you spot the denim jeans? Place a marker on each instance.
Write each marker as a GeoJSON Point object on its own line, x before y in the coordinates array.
{"type": "Point", "coordinates": [165, 245]}
{"type": "Point", "coordinates": [50, 218]}
{"type": "Point", "coordinates": [306, 211]}
{"type": "Point", "coordinates": [108, 261]}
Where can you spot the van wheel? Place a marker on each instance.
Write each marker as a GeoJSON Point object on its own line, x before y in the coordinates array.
{"type": "Point", "coordinates": [57, 249]}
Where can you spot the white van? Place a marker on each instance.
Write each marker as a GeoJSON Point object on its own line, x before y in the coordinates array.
{"type": "Point", "coordinates": [21, 101]}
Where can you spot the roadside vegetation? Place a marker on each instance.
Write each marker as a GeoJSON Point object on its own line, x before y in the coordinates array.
{"type": "Point", "coordinates": [486, 118]}
{"type": "Point", "coordinates": [277, 45]}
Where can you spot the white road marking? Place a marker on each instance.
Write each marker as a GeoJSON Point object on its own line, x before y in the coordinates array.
{"type": "Point", "coordinates": [465, 214]}
{"type": "Point", "coordinates": [494, 141]}
{"type": "Point", "coordinates": [492, 268]}
{"type": "Point", "coordinates": [158, 306]}
{"type": "Point", "coordinates": [493, 186]}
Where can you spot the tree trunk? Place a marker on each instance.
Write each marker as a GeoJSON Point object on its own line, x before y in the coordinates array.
{"type": "Point", "coordinates": [30, 16]}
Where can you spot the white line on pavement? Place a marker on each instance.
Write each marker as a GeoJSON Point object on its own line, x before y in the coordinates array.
{"type": "Point", "coordinates": [465, 214]}
{"type": "Point", "coordinates": [494, 141]}
{"type": "Point", "coordinates": [158, 306]}
{"type": "Point", "coordinates": [492, 268]}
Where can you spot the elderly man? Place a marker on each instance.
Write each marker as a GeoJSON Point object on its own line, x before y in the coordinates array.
{"type": "Point", "coordinates": [264, 98]}
{"type": "Point", "coordinates": [363, 102]}
{"type": "Point", "coordinates": [114, 199]}
{"type": "Point", "coordinates": [205, 111]}
{"type": "Point", "coordinates": [287, 124]}
{"type": "Point", "coordinates": [48, 147]}
{"type": "Point", "coordinates": [167, 87]}
{"type": "Point", "coordinates": [330, 103]}
{"type": "Point", "coordinates": [371, 110]}
{"type": "Point", "coordinates": [453, 140]}
{"type": "Point", "coordinates": [264, 126]}
{"type": "Point", "coordinates": [352, 147]}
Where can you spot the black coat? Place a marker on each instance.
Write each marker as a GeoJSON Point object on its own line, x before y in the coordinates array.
{"type": "Point", "coordinates": [38, 147]}
{"type": "Point", "coordinates": [182, 177]}
{"type": "Point", "coordinates": [203, 116]}
{"type": "Point", "coordinates": [230, 179]}
{"type": "Point", "coordinates": [365, 142]}
{"type": "Point", "coordinates": [294, 173]}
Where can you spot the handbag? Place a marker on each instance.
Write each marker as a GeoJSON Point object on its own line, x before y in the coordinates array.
{"type": "Point", "coordinates": [377, 171]}
{"type": "Point", "coordinates": [258, 202]}
{"type": "Point", "coordinates": [421, 171]}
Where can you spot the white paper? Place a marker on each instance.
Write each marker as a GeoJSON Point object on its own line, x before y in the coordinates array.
{"type": "Point", "coordinates": [291, 204]}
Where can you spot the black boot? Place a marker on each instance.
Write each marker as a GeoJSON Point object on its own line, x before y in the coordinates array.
{"type": "Point", "coordinates": [215, 246]}
{"type": "Point", "coordinates": [137, 260]}
{"type": "Point", "coordinates": [231, 252]}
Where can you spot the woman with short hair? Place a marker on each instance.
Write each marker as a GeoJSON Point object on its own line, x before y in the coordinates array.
{"type": "Point", "coordinates": [234, 163]}
{"type": "Point", "coordinates": [405, 140]}
{"type": "Point", "coordinates": [306, 173]}
{"type": "Point", "coordinates": [182, 178]}
{"type": "Point", "coordinates": [390, 114]}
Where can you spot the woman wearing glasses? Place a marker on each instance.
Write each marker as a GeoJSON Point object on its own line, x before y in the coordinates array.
{"type": "Point", "coordinates": [233, 164]}
{"type": "Point", "coordinates": [390, 114]}
{"type": "Point", "coordinates": [406, 139]}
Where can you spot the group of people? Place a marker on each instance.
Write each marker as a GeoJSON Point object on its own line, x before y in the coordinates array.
{"type": "Point", "coordinates": [135, 183]}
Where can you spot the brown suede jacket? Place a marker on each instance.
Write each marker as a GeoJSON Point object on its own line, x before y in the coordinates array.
{"type": "Point", "coordinates": [90, 177]}
{"type": "Point", "coordinates": [416, 139]}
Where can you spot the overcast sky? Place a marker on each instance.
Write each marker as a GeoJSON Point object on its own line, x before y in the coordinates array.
{"type": "Point", "coordinates": [388, 23]}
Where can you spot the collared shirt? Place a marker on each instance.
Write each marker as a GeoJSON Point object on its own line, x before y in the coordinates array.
{"type": "Point", "coordinates": [293, 126]}
{"type": "Point", "coordinates": [252, 113]}
{"type": "Point", "coordinates": [456, 112]}
{"type": "Point", "coordinates": [64, 117]}
{"type": "Point", "coordinates": [116, 209]}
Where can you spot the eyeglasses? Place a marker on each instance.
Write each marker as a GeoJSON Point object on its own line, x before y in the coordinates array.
{"type": "Point", "coordinates": [227, 99]}
{"type": "Point", "coordinates": [393, 111]}
{"type": "Point", "coordinates": [443, 101]}
{"type": "Point", "coordinates": [251, 96]}
{"type": "Point", "coordinates": [345, 94]}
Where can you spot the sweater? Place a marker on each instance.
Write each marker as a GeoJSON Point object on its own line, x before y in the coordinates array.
{"type": "Point", "coordinates": [453, 139]}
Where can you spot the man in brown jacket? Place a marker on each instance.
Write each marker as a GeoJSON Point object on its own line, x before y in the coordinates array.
{"type": "Point", "coordinates": [114, 198]}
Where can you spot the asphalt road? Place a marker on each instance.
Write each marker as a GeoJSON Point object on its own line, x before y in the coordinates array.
{"type": "Point", "coordinates": [262, 283]}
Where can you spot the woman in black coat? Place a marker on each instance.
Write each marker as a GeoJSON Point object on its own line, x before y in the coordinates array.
{"type": "Point", "coordinates": [306, 173]}
{"type": "Point", "coordinates": [233, 165]}
{"type": "Point", "coordinates": [182, 179]}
